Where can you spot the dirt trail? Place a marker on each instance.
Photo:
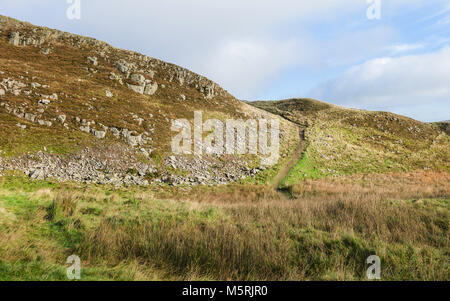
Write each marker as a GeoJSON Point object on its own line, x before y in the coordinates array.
{"type": "Point", "coordinates": [292, 162]}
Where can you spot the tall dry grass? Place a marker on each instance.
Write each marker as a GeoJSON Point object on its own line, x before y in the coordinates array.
{"type": "Point", "coordinates": [327, 232]}
{"type": "Point", "coordinates": [323, 229]}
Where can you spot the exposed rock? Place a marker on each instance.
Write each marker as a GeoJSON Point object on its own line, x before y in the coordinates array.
{"type": "Point", "coordinates": [132, 138]}
{"type": "Point", "coordinates": [44, 122]}
{"type": "Point", "coordinates": [62, 118]}
{"type": "Point", "coordinates": [115, 132]}
{"type": "Point", "coordinates": [2, 92]}
{"type": "Point", "coordinates": [14, 38]}
{"type": "Point", "coordinates": [30, 117]}
{"type": "Point", "coordinates": [44, 101]}
{"type": "Point", "coordinates": [138, 78]}
{"type": "Point", "coordinates": [36, 174]}
{"type": "Point", "coordinates": [124, 67]}
{"type": "Point", "coordinates": [108, 167]}
{"type": "Point", "coordinates": [35, 85]}
{"type": "Point", "coordinates": [93, 60]}
{"type": "Point", "coordinates": [98, 134]}
{"type": "Point", "coordinates": [17, 39]}
{"type": "Point", "coordinates": [137, 89]}
{"type": "Point", "coordinates": [85, 128]}
{"type": "Point", "coordinates": [151, 88]}
{"type": "Point", "coordinates": [46, 51]}
{"type": "Point", "coordinates": [116, 77]}
{"type": "Point", "coordinates": [109, 94]}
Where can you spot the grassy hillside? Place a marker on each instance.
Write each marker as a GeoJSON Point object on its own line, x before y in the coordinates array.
{"type": "Point", "coordinates": [343, 141]}
{"type": "Point", "coordinates": [62, 94]}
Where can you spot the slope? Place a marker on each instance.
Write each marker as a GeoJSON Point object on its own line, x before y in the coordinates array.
{"type": "Point", "coordinates": [77, 109]}
{"type": "Point", "coordinates": [344, 141]}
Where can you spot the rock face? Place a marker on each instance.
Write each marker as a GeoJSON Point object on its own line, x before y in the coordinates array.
{"type": "Point", "coordinates": [16, 39]}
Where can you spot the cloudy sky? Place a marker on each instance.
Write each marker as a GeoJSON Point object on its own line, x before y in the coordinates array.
{"type": "Point", "coordinates": [333, 50]}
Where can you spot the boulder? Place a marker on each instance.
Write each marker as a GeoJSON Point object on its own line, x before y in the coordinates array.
{"type": "Point", "coordinates": [14, 38]}
{"type": "Point", "coordinates": [132, 138]}
{"type": "Point", "coordinates": [62, 118]}
{"type": "Point", "coordinates": [37, 174]}
{"type": "Point", "coordinates": [93, 60]}
{"type": "Point", "coordinates": [98, 134]}
{"type": "Point", "coordinates": [151, 88]}
{"type": "Point", "coordinates": [138, 78]}
{"type": "Point", "coordinates": [115, 132]}
{"type": "Point", "coordinates": [123, 66]}
{"type": "Point", "coordinates": [137, 89]}
{"type": "Point", "coordinates": [86, 129]}
{"type": "Point", "coordinates": [44, 101]}
{"type": "Point", "coordinates": [30, 117]}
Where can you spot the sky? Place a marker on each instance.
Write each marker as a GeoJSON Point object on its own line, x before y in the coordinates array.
{"type": "Point", "coordinates": [388, 55]}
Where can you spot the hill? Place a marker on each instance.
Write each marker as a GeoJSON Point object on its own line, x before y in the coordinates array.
{"type": "Point", "coordinates": [344, 141]}
{"type": "Point", "coordinates": [77, 109]}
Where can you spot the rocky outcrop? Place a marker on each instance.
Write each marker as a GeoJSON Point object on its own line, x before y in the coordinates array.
{"type": "Point", "coordinates": [114, 167]}
{"type": "Point", "coordinates": [17, 39]}
{"type": "Point", "coordinates": [22, 114]}
{"type": "Point", "coordinates": [206, 171]}
{"type": "Point", "coordinates": [118, 166]}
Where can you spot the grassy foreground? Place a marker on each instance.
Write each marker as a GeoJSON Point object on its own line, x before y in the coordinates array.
{"type": "Point", "coordinates": [325, 231]}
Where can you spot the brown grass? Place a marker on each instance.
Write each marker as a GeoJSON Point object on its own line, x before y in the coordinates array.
{"type": "Point", "coordinates": [397, 186]}
{"type": "Point", "coordinates": [324, 230]}
{"type": "Point", "coordinates": [325, 233]}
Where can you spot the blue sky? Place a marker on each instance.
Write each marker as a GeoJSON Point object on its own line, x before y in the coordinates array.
{"type": "Point", "coordinates": [276, 49]}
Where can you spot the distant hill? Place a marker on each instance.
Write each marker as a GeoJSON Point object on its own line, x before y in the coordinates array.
{"type": "Point", "coordinates": [347, 141]}
{"type": "Point", "coordinates": [444, 125]}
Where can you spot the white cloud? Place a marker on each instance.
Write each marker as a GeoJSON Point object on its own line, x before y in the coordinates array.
{"type": "Point", "coordinates": [401, 48]}
{"type": "Point", "coordinates": [390, 83]}
{"type": "Point", "coordinates": [244, 65]}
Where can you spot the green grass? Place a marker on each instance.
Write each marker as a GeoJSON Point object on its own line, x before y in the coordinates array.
{"type": "Point", "coordinates": [347, 142]}
{"type": "Point", "coordinates": [129, 235]}
{"type": "Point", "coordinates": [46, 271]}
{"type": "Point", "coordinates": [305, 169]}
